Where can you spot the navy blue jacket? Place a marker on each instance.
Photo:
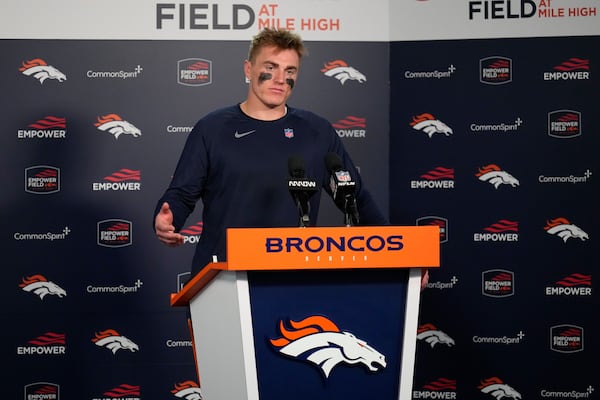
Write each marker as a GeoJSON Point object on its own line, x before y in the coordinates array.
{"type": "Point", "coordinates": [238, 167]}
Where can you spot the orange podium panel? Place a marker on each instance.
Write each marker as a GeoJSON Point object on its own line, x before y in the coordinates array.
{"type": "Point", "coordinates": [333, 247]}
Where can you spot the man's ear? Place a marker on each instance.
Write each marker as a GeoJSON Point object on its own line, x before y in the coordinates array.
{"type": "Point", "coordinates": [247, 66]}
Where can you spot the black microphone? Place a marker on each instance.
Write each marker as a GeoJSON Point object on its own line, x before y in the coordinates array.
{"type": "Point", "coordinates": [343, 188]}
{"type": "Point", "coordinates": [301, 188]}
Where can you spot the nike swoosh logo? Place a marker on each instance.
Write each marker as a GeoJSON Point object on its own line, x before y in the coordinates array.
{"type": "Point", "coordinates": [242, 134]}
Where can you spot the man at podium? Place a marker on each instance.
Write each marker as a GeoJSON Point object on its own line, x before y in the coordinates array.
{"type": "Point", "coordinates": [235, 158]}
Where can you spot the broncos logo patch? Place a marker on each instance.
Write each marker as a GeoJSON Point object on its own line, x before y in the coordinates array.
{"type": "Point", "coordinates": [430, 125]}
{"type": "Point", "coordinates": [318, 340]}
{"type": "Point", "coordinates": [432, 335]}
{"type": "Point", "coordinates": [498, 389]}
{"type": "Point", "coordinates": [492, 174]}
{"type": "Point", "coordinates": [116, 125]}
{"type": "Point", "coordinates": [38, 284]}
{"type": "Point", "coordinates": [41, 71]}
{"type": "Point", "coordinates": [341, 71]}
{"type": "Point", "coordinates": [562, 228]}
{"type": "Point", "coordinates": [112, 340]}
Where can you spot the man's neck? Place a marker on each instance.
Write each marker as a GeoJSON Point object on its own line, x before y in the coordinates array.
{"type": "Point", "coordinates": [262, 112]}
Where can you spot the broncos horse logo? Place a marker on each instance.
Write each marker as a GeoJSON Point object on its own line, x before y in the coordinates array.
{"type": "Point", "coordinates": [495, 387]}
{"type": "Point", "coordinates": [318, 340]}
{"type": "Point", "coordinates": [41, 71]}
{"type": "Point", "coordinates": [114, 124]}
{"type": "Point", "coordinates": [114, 342]}
{"type": "Point", "coordinates": [39, 285]}
{"type": "Point", "coordinates": [493, 174]}
{"type": "Point", "coordinates": [430, 125]}
{"type": "Point", "coordinates": [187, 390]}
{"type": "Point", "coordinates": [564, 229]}
{"type": "Point", "coordinates": [433, 335]}
{"type": "Point", "coordinates": [343, 72]}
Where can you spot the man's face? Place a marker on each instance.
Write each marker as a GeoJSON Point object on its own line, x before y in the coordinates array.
{"type": "Point", "coordinates": [273, 75]}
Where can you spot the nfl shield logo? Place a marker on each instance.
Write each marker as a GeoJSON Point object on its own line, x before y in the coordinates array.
{"type": "Point", "coordinates": [288, 132]}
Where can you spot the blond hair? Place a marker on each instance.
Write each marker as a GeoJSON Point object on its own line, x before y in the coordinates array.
{"type": "Point", "coordinates": [280, 38]}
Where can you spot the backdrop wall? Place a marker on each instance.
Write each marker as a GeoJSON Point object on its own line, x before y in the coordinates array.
{"type": "Point", "coordinates": [476, 116]}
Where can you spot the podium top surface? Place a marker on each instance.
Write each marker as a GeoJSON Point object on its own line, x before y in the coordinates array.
{"type": "Point", "coordinates": [320, 248]}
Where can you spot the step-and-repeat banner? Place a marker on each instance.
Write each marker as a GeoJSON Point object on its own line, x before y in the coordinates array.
{"type": "Point", "coordinates": [478, 117]}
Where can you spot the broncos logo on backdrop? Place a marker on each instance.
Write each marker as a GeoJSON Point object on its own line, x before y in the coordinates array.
{"type": "Point", "coordinates": [494, 175]}
{"type": "Point", "coordinates": [111, 339]}
{"type": "Point", "coordinates": [430, 125]}
{"type": "Point", "coordinates": [41, 71]}
{"type": "Point", "coordinates": [562, 228]}
{"type": "Point", "coordinates": [187, 390]}
{"type": "Point", "coordinates": [38, 284]}
{"type": "Point", "coordinates": [341, 71]}
{"type": "Point", "coordinates": [432, 335]}
{"type": "Point", "coordinates": [318, 340]}
{"type": "Point", "coordinates": [116, 125]}
{"type": "Point", "coordinates": [500, 390]}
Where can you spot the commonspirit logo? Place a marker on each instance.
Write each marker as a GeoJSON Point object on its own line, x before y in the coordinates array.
{"type": "Point", "coordinates": [115, 289]}
{"type": "Point", "coordinates": [435, 74]}
{"type": "Point", "coordinates": [506, 127]}
{"type": "Point", "coordinates": [505, 340]}
{"type": "Point", "coordinates": [568, 179]}
{"type": "Point", "coordinates": [50, 236]}
{"type": "Point", "coordinates": [120, 74]}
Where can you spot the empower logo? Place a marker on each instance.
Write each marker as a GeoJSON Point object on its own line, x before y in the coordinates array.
{"type": "Point", "coordinates": [495, 70]}
{"type": "Point", "coordinates": [351, 126]}
{"type": "Point", "coordinates": [440, 389]}
{"type": "Point", "coordinates": [317, 339]}
{"type": "Point", "coordinates": [437, 178]}
{"type": "Point", "coordinates": [42, 390]}
{"type": "Point", "coordinates": [194, 72]}
{"type": "Point", "coordinates": [564, 124]}
{"type": "Point", "coordinates": [503, 230]}
{"type": "Point", "coordinates": [566, 338]}
{"type": "Point", "coordinates": [123, 391]}
{"type": "Point", "coordinates": [50, 343]}
{"type": "Point", "coordinates": [49, 127]}
{"type": "Point", "coordinates": [191, 234]}
{"type": "Point", "coordinates": [498, 283]}
{"type": "Point", "coordinates": [572, 69]}
{"type": "Point", "coordinates": [42, 179]}
{"type": "Point", "coordinates": [124, 179]}
{"type": "Point", "coordinates": [114, 233]}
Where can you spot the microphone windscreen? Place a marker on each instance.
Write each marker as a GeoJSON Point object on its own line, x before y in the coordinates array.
{"type": "Point", "coordinates": [333, 162]}
{"type": "Point", "coordinates": [296, 167]}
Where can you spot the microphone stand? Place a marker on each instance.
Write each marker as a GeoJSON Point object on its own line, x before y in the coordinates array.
{"type": "Point", "coordinates": [303, 210]}
{"type": "Point", "coordinates": [350, 211]}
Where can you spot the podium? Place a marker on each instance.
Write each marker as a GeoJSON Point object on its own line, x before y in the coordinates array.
{"type": "Point", "coordinates": [315, 312]}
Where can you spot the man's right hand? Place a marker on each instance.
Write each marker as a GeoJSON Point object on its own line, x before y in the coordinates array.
{"type": "Point", "coordinates": [164, 229]}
